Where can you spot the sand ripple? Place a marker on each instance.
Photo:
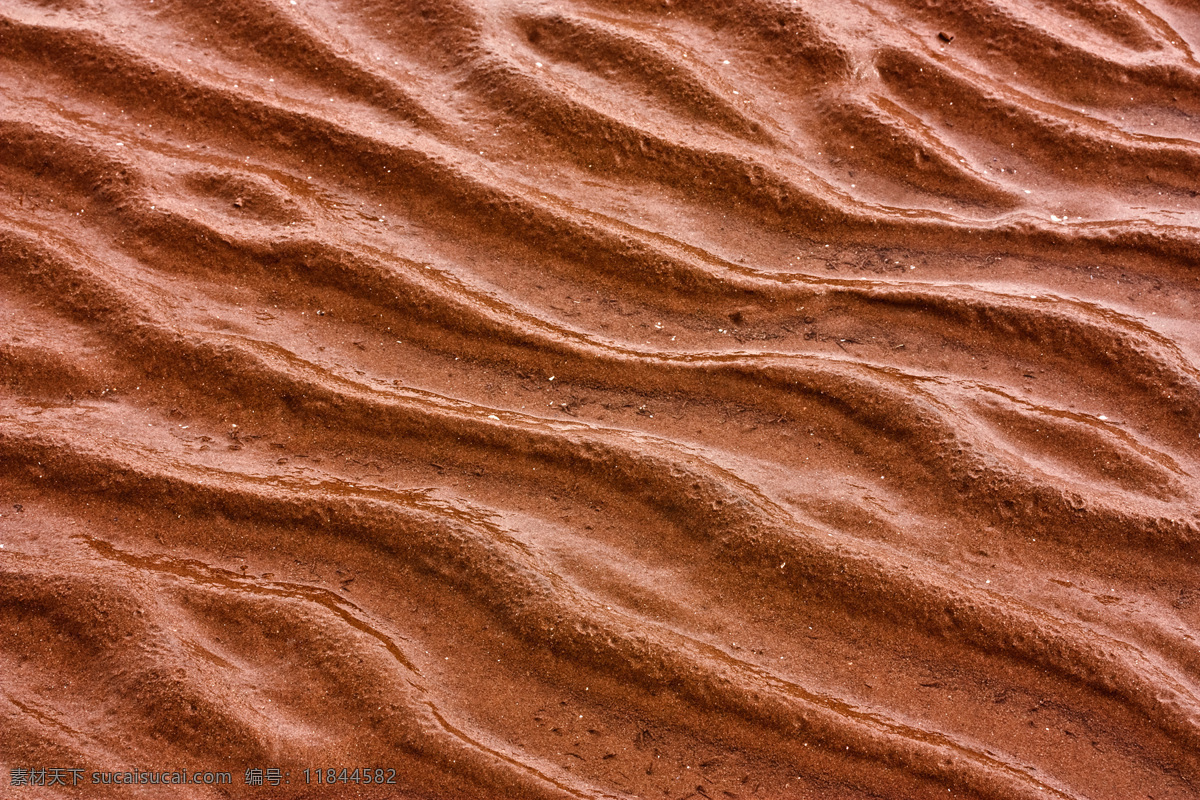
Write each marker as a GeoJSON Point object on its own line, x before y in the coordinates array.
{"type": "Point", "coordinates": [603, 399]}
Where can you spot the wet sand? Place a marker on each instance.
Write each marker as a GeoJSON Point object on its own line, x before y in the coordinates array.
{"type": "Point", "coordinates": [602, 399]}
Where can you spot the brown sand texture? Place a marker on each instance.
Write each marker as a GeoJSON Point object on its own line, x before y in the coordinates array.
{"type": "Point", "coordinates": [601, 398]}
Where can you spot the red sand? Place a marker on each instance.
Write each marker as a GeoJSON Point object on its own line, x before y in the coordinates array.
{"type": "Point", "coordinates": [602, 399]}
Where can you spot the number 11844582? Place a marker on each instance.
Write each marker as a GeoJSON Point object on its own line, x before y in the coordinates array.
{"type": "Point", "coordinates": [360, 775]}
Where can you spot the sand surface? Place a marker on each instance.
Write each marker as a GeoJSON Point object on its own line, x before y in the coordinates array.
{"type": "Point", "coordinates": [602, 399]}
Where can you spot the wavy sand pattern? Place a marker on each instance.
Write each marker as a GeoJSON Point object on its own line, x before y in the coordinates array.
{"type": "Point", "coordinates": [603, 398]}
